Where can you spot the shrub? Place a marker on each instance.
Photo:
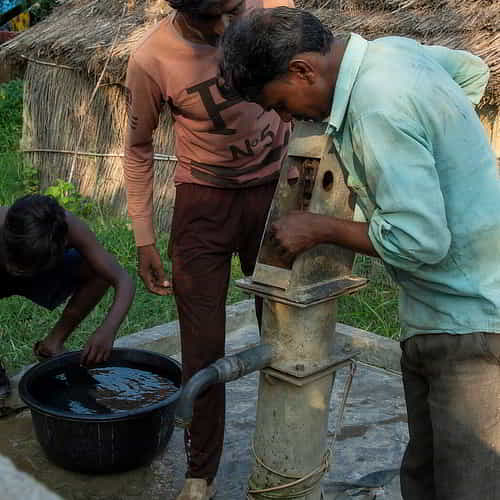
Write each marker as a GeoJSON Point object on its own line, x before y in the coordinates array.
{"type": "Point", "coordinates": [68, 197]}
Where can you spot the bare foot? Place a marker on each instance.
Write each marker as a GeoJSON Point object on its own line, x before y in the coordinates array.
{"type": "Point", "coordinates": [44, 349]}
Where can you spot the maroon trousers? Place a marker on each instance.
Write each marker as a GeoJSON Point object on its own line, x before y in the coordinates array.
{"type": "Point", "coordinates": [209, 226]}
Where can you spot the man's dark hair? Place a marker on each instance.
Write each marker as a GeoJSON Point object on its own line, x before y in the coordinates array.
{"type": "Point", "coordinates": [193, 7]}
{"type": "Point", "coordinates": [34, 234]}
{"type": "Point", "coordinates": [257, 48]}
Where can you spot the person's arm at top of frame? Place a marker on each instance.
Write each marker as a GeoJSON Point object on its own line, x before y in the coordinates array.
{"type": "Point", "coordinates": [144, 106]}
{"type": "Point", "coordinates": [106, 267]}
{"type": "Point", "coordinates": [271, 4]}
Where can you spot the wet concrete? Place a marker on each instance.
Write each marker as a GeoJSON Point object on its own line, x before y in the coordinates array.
{"type": "Point", "coordinates": [373, 438]}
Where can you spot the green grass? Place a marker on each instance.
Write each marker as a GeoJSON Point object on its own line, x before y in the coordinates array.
{"type": "Point", "coordinates": [22, 323]}
{"type": "Point", "coordinates": [375, 307]}
{"type": "Point", "coordinates": [11, 162]}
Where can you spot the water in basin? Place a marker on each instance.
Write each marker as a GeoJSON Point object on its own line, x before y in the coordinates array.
{"type": "Point", "coordinates": [102, 390]}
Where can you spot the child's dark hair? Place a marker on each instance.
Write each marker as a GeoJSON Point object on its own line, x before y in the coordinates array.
{"type": "Point", "coordinates": [34, 234]}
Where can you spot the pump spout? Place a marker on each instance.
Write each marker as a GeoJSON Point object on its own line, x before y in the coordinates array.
{"type": "Point", "coordinates": [222, 371]}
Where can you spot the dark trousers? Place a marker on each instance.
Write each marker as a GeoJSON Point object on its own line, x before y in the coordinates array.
{"type": "Point", "coordinates": [210, 225]}
{"type": "Point", "coordinates": [452, 389]}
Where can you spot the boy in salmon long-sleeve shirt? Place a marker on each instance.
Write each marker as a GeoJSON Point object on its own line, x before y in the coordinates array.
{"type": "Point", "coordinates": [229, 155]}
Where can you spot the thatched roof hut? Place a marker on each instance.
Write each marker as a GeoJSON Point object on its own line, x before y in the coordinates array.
{"type": "Point", "coordinates": [76, 63]}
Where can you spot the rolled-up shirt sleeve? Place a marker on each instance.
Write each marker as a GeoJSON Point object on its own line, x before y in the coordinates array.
{"type": "Point", "coordinates": [144, 107]}
{"type": "Point", "coordinates": [408, 227]}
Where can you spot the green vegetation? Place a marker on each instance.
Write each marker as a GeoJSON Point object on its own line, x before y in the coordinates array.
{"type": "Point", "coordinates": [70, 198]}
{"type": "Point", "coordinates": [22, 323]}
{"type": "Point", "coordinates": [40, 10]}
{"type": "Point", "coordinates": [11, 164]}
{"type": "Point", "coordinates": [375, 307]}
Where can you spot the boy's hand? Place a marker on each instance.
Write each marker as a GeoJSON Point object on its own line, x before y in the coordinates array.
{"type": "Point", "coordinates": [151, 271]}
{"type": "Point", "coordinates": [98, 348]}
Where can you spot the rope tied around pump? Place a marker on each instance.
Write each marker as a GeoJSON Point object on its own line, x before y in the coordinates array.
{"type": "Point", "coordinates": [316, 475]}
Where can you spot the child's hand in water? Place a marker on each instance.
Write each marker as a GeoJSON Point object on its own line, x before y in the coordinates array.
{"type": "Point", "coordinates": [98, 348]}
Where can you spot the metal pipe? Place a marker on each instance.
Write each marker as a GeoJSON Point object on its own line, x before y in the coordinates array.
{"type": "Point", "coordinates": [222, 371]}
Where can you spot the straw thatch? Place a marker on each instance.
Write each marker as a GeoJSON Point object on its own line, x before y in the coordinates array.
{"type": "Point", "coordinates": [87, 44]}
{"type": "Point", "coordinates": [80, 33]}
{"type": "Point", "coordinates": [472, 26]}
{"type": "Point", "coordinates": [57, 108]}
{"type": "Point", "coordinates": [65, 57]}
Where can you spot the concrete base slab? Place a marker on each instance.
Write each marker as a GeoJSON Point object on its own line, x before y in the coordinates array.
{"type": "Point", "coordinates": [375, 349]}
{"type": "Point", "coordinates": [19, 485]}
{"type": "Point", "coordinates": [165, 338]}
{"type": "Point", "coordinates": [373, 437]}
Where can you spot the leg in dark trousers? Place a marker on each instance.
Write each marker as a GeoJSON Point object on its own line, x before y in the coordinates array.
{"type": "Point", "coordinates": [417, 468]}
{"type": "Point", "coordinates": [257, 202]}
{"type": "Point", "coordinates": [462, 373]}
{"type": "Point", "coordinates": [206, 230]}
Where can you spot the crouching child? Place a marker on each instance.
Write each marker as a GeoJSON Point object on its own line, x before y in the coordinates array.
{"type": "Point", "coordinates": [48, 256]}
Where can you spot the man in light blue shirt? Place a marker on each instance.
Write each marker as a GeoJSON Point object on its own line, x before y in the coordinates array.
{"type": "Point", "coordinates": [402, 118]}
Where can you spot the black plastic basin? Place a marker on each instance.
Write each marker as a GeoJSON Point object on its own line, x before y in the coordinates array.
{"type": "Point", "coordinates": [100, 442]}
